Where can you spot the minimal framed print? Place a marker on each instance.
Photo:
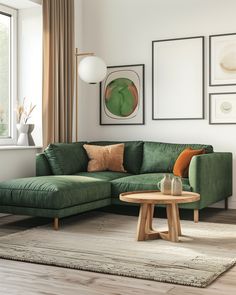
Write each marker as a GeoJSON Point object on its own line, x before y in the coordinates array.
{"type": "Point", "coordinates": [178, 79]}
{"type": "Point", "coordinates": [122, 96]}
{"type": "Point", "coordinates": [222, 59]}
{"type": "Point", "coordinates": [222, 108]}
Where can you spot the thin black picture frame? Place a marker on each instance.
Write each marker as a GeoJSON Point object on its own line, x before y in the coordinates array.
{"type": "Point", "coordinates": [143, 99]}
{"type": "Point", "coordinates": [210, 60]}
{"type": "Point", "coordinates": [203, 77]}
{"type": "Point", "coordinates": [210, 107]}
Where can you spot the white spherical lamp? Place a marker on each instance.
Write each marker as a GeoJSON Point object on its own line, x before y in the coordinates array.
{"type": "Point", "coordinates": [92, 69]}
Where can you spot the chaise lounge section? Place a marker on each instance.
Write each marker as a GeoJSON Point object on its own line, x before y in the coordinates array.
{"type": "Point", "coordinates": [63, 187]}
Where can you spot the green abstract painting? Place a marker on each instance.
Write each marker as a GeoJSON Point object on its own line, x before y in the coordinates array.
{"type": "Point", "coordinates": [121, 97]}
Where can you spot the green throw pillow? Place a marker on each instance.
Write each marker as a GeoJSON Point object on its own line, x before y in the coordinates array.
{"type": "Point", "coordinates": [67, 158]}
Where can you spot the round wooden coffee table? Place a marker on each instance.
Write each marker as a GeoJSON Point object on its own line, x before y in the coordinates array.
{"type": "Point", "coordinates": [147, 200]}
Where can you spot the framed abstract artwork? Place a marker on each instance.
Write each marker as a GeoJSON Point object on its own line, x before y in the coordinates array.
{"type": "Point", "coordinates": [222, 59]}
{"type": "Point", "coordinates": [178, 79]}
{"type": "Point", "coordinates": [222, 108]}
{"type": "Point", "coordinates": [122, 96]}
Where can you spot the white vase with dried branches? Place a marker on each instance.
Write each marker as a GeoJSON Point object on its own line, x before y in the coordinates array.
{"type": "Point", "coordinates": [24, 129]}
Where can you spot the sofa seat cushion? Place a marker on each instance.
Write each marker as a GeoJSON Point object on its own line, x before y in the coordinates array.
{"type": "Point", "coordinates": [161, 157]}
{"type": "Point", "coordinates": [140, 182]}
{"type": "Point", "coordinates": [53, 192]}
{"type": "Point", "coordinates": [104, 175]}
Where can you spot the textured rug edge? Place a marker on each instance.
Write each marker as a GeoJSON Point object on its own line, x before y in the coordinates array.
{"type": "Point", "coordinates": [81, 268]}
{"type": "Point", "coordinates": [218, 274]}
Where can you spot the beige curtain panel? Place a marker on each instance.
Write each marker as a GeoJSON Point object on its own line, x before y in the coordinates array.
{"type": "Point", "coordinates": [58, 70]}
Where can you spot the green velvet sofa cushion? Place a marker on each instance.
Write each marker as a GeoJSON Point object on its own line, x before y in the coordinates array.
{"type": "Point", "coordinates": [104, 175]}
{"type": "Point", "coordinates": [53, 192]}
{"type": "Point", "coordinates": [133, 154]}
{"type": "Point", "coordinates": [43, 167]}
{"type": "Point", "coordinates": [67, 158]}
{"type": "Point", "coordinates": [161, 157]}
{"type": "Point", "coordinates": [140, 182]}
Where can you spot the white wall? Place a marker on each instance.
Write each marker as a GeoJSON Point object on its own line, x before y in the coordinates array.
{"type": "Point", "coordinates": [37, 1]}
{"type": "Point", "coordinates": [121, 31]}
{"type": "Point", "coordinates": [17, 162]}
{"type": "Point", "coordinates": [30, 64]}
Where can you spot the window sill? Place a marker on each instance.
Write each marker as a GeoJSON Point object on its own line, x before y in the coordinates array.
{"type": "Point", "coordinates": [19, 147]}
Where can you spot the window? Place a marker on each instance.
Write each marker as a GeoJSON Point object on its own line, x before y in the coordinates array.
{"type": "Point", "coordinates": [7, 75]}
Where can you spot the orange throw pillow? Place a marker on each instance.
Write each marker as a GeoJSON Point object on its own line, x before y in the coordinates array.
{"type": "Point", "coordinates": [102, 158]}
{"type": "Point", "coordinates": [182, 163]}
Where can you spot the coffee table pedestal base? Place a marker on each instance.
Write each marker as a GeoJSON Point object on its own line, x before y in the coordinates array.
{"type": "Point", "coordinates": [145, 230]}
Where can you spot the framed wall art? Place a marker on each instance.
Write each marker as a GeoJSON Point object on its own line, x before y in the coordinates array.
{"type": "Point", "coordinates": [222, 59]}
{"type": "Point", "coordinates": [222, 108]}
{"type": "Point", "coordinates": [178, 79]}
{"type": "Point", "coordinates": [122, 96]}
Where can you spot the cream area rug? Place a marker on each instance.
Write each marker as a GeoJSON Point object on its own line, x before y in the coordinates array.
{"type": "Point", "coordinates": [105, 243]}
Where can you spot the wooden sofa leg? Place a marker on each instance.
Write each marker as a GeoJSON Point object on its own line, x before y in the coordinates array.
{"type": "Point", "coordinates": [56, 223]}
{"type": "Point", "coordinates": [226, 204]}
{"type": "Point", "coordinates": [196, 215]}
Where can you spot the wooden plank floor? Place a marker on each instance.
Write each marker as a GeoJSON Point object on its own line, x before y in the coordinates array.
{"type": "Point", "coordinates": [30, 279]}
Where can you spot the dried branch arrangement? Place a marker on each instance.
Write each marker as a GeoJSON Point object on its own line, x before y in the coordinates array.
{"type": "Point", "coordinates": [24, 112]}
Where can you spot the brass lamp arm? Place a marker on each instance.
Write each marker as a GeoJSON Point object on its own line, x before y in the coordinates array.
{"type": "Point", "coordinates": [85, 54]}
{"type": "Point", "coordinates": [77, 53]}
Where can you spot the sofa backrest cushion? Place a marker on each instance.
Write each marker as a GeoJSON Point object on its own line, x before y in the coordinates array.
{"type": "Point", "coordinates": [67, 158]}
{"type": "Point", "coordinates": [133, 154]}
{"type": "Point", "coordinates": [43, 167]}
{"type": "Point", "coordinates": [161, 157]}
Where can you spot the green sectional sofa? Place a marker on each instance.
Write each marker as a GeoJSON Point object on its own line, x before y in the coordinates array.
{"type": "Point", "coordinates": [63, 187]}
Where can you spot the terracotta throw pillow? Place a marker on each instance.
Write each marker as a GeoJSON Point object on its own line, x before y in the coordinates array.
{"type": "Point", "coordinates": [102, 158]}
{"type": "Point", "coordinates": [182, 163]}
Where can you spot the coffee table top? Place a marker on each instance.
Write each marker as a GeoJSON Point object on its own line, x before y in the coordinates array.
{"type": "Point", "coordinates": [156, 197]}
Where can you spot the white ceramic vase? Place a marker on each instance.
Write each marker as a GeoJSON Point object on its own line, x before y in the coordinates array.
{"type": "Point", "coordinates": [25, 137]}
{"type": "Point", "coordinates": [165, 185]}
{"type": "Point", "coordinates": [176, 186]}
